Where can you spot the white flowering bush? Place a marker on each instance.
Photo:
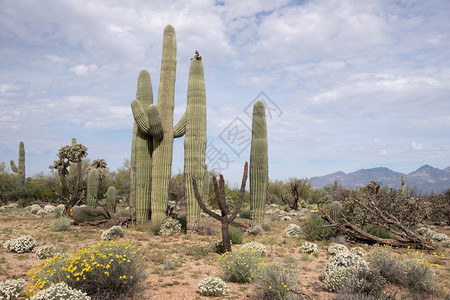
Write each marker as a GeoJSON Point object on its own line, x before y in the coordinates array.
{"type": "Point", "coordinates": [439, 236]}
{"type": "Point", "coordinates": [10, 290]}
{"type": "Point", "coordinates": [170, 227]}
{"type": "Point", "coordinates": [59, 210]}
{"type": "Point", "coordinates": [115, 231]}
{"type": "Point", "coordinates": [337, 248]}
{"type": "Point", "coordinates": [341, 268]}
{"type": "Point", "coordinates": [284, 218]}
{"type": "Point", "coordinates": [358, 251]}
{"type": "Point", "coordinates": [255, 248]}
{"type": "Point", "coordinates": [46, 251]}
{"type": "Point", "coordinates": [213, 287]}
{"type": "Point", "coordinates": [60, 291]}
{"type": "Point", "coordinates": [292, 230]}
{"type": "Point", "coordinates": [254, 230]}
{"type": "Point", "coordinates": [310, 248]}
{"type": "Point", "coordinates": [49, 208]}
{"type": "Point", "coordinates": [20, 245]}
{"type": "Point", "coordinates": [34, 208]}
{"type": "Point", "coordinates": [41, 212]}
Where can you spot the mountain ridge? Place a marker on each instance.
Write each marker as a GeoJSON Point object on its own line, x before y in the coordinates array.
{"type": "Point", "coordinates": [423, 181]}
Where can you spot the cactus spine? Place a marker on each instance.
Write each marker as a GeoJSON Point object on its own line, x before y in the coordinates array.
{"type": "Point", "coordinates": [258, 164]}
{"type": "Point", "coordinates": [92, 188]}
{"type": "Point", "coordinates": [111, 196]}
{"type": "Point", "coordinates": [335, 210]}
{"type": "Point", "coordinates": [20, 169]}
{"type": "Point", "coordinates": [195, 141]}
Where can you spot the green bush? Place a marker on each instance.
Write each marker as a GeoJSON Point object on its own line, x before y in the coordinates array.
{"type": "Point", "coordinates": [277, 282]}
{"type": "Point", "coordinates": [244, 214]}
{"type": "Point", "coordinates": [387, 262]}
{"type": "Point", "coordinates": [217, 247]}
{"type": "Point", "coordinates": [266, 227]}
{"type": "Point", "coordinates": [380, 232]}
{"type": "Point", "coordinates": [61, 224]}
{"type": "Point", "coordinates": [363, 282]}
{"type": "Point", "coordinates": [313, 232]}
{"type": "Point", "coordinates": [236, 235]}
{"type": "Point", "coordinates": [93, 271]}
{"type": "Point", "coordinates": [240, 266]}
{"type": "Point", "coordinates": [168, 264]}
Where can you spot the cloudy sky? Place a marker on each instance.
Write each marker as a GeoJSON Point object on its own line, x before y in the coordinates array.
{"type": "Point", "coordinates": [347, 84]}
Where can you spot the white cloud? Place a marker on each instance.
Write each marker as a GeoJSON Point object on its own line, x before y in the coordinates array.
{"type": "Point", "coordinates": [417, 146]}
{"type": "Point", "coordinates": [83, 69]}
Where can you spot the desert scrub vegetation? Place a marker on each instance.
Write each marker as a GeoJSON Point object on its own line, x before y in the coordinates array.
{"type": "Point", "coordinates": [61, 224]}
{"type": "Point", "coordinates": [115, 231]}
{"type": "Point", "coordinates": [107, 270]}
{"type": "Point", "coordinates": [60, 291]}
{"type": "Point", "coordinates": [20, 245]}
{"type": "Point", "coordinates": [212, 287]}
{"type": "Point", "coordinates": [10, 290]}
{"type": "Point", "coordinates": [240, 266]}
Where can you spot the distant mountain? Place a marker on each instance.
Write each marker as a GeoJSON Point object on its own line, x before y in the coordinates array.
{"type": "Point", "coordinates": [423, 180]}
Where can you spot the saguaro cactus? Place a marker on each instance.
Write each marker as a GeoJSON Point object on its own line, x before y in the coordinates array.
{"type": "Point", "coordinates": [335, 210]}
{"type": "Point", "coordinates": [403, 186]}
{"type": "Point", "coordinates": [195, 141]}
{"type": "Point", "coordinates": [258, 164]}
{"type": "Point", "coordinates": [20, 169]}
{"type": "Point", "coordinates": [111, 196]}
{"type": "Point", "coordinates": [155, 134]}
{"type": "Point", "coordinates": [92, 188]}
{"type": "Point", "coordinates": [132, 202]}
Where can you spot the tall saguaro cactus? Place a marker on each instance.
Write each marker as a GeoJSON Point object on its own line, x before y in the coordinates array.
{"type": "Point", "coordinates": [195, 141]}
{"type": "Point", "coordinates": [258, 164]}
{"type": "Point", "coordinates": [92, 188]}
{"type": "Point", "coordinates": [20, 169]}
{"type": "Point", "coordinates": [153, 145]}
{"type": "Point", "coordinates": [111, 196]}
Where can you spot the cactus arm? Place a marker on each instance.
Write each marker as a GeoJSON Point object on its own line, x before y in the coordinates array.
{"type": "Point", "coordinates": [154, 121]}
{"type": "Point", "coordinates": [140, 116]}
{"type": "Point", "coordinates": [13, 166]}
{"type": "Point", "coordinates": [180, 129]}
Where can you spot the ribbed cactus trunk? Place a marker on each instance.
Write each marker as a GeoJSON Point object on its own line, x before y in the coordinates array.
{"type": "Point", "coordinates": [206, 184]}
{"type": "Point", "coordinates": [143, 148]}
{"type": "Point", "coordinates": [163, 148]}
{"type": "Point", "coordinates": [403, 186]}
{"type": "Point", "coordinates": [92, 188]}
{"type": "Point", "coordinates": [111, 196]}
{"type": "Point", "coordinates": [195, 141]}
{"type": "Point", "coordinates": [335, 210]}
{"type": "Point", "coordinates": [20, 169]}
{"type": "Point", "coordinates": [258, 164]}
{"type": "Point", "coordinates": [132, 200]}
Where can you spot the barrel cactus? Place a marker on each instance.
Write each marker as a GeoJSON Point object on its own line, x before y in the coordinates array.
{"type": "Point", "coordinates": [92, 188]}
{"type": "Point", "coordinates": [335, 210]}
{"type": "Point", "coordinates": [195, 141]}
{"type": "Point", "coordinates": [258, 163]}
{"type": "Point", "coordinates": [20, 169]}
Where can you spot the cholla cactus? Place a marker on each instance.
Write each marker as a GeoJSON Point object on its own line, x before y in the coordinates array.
{"type": "Point", "coordinates": [212, 287]}
{"type": "Point", "coordinates": [292, 230]}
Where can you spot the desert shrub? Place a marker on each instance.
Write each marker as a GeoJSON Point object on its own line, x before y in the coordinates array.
{"type": "Point", "coordinates": [292, 230]}
{"type": "Point", "coordinates": [61, 224]}
{"type": "Point", "coordinates": [217, 247]}
{"type": "Point", "coordinates": [115, 231]}
{"type": "Point", "coordinates": [170, 226]}
{"type": "Point", "coordinates": [20, 245]}
{"type": "Point", "coordinates": [59, 210]}
{"type": "Point", "coordinates": [364, 282]}
{"type": "Point", "coordinates": [46, 251]}
{"type": "Point", "coordinates": [387, 262]}
{"type": "Point", "coordinates": [10, 289]}
{"type": "Point", "coordinates": [49, 208]}
{"type": "Point", "coordinates": [266, 227]}
{"type": "Point", "coordinates": [60, 291]}
{"type": "Point", "coordinates": [380, 232]}
{"type": "Point", "coordinates": [254, 247]}
{"type": "Point", "coordinates": [107, 270]}
{"type": "Point", "coordinates": [155, 226]}
{"type": "Point", "coordinates": [35, 208]}
{"type": "Point", "coordinates": [337, 248]}
{"type": "Point", "coordinates": [212, 287]}
{"type": "Point", "coordinates": [236, 235]}
{"type": "Point", "coordinates": [254, 230]}
{"type": "Point", "coordinates": [358, 251]}
{"type": "Point", "coordinates": [41, 212]}
{"type": "Point", "coordinates": [309, 248]}
{"type": "Point", "coordinates": [290, 262]}
{"type": "Point", "coordinates": [419, 275]}
{"type": "Point", "coordinates": [240, 266]}
{"type": "Point", "coordinates": [440, 207]}
{"type": "Point", "coordinates": [183, 222]}
{"type": "Point", "coordinates": [244, 214]}
{"type": "Point", "coordinates": [168, 264]}
{"type": "Point", "coordinates": [341, 268]}
{"type": "Point", "coordinates": [314, 232]}
{"type": "Point", "coordinates": [277, 282]}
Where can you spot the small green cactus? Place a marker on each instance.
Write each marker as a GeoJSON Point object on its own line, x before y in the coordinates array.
{"type": "Point", "coordinates": [20, 169]}
{"type": "Point", "coordinates": [258, 164]}
{"type": "Point", "coordinates": [92, 188]}
{"type": "Point", "coordinates": [111, 196]}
